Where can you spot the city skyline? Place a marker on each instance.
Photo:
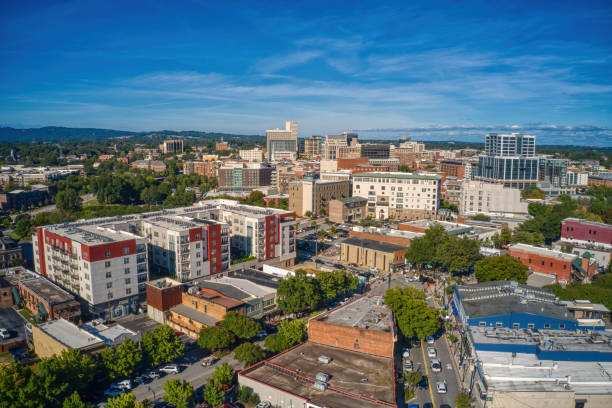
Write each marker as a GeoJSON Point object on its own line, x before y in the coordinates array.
{"type": "Point", "coordinates": [444, 72]}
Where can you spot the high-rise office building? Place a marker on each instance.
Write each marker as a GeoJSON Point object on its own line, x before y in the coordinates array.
{"type": "Point", "coordinates": [554, 172]}
{"type": "Point", "coordinates": [312, 146]}
{"type": "Point", "coordinates": [282, 140]}
{"type": "Point", "coordinates": [509, 160]}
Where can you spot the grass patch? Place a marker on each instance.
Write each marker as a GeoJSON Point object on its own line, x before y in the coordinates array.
{"type": "Point", "coordinates": [26, 314]}
{"type": "Point", "coordinates": [91, 203]}
{"type": "Point", "coordinates": [6, 358]}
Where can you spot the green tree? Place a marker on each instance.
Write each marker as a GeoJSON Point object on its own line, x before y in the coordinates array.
{"type": "Point", "coordinates": [75, 401]}
{"type": "Point", "coordinates": [458, 253]}
{"type": "Point", "coordinates": [215, 338]}
{"type": "Point", "coordinates": [412, 379]}
{"type": "Point", "coordinates": [213, 394]}
{"type": "Point", "coordinates": [289, 333]}
{"type": "Point", "coordinates": [162, 345]}
{"type": "Point", "coordinates": [414, 318]}
{"type": "Point", "coordinates": [336, 283]}
{"type": "Point", "coordinates": [463, 400]}
{"type": "Point", "coordinates": [23, 227]}
{"type": "Point", "coordinates": [127, 400]}
{"type": "Point", "coordinates": [68, 200]}
{"type": "Point", "coordinates": [120, 361]}
{"type": "Point", "coordinates": [423, 250]}
{"type": "Point", "coordinates": [224, 375]}
{"type": "Point", "coordinates": [308, 214]}
{"type": "Point", "coordinates": [503, 238]}
{"type": "Point", "coordinates": [298, 293]}
{"type": "Point", "coordinates": [13, 381]}
{"type": "Point", "coordinates": [178, 393]}
{"type": "Point", "coordinates": [242, 326]}
{"type": "Point", "coordinates": [481, 217]}
{"type": "Point", "coordinates": [249, 353]}
{"type": "Point", "coordinates": [533, 192]}
{"type": "Point", "coordinates": [500, 268]}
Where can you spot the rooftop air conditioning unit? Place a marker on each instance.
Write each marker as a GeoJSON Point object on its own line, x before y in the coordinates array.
{"type": "Point", "coordinates": [322, 377]}
{"type": "Point", "coordinates": [324, 359]}
{"type": "Point", "coordinates": [320, 386]}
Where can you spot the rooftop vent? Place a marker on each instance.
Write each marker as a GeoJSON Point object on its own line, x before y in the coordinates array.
{"type": "Point", "coordinates": [320, 386]}
{"type": "Point", "coordinates": [324, 359]}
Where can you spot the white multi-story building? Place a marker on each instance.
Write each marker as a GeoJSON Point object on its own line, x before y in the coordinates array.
{"type": "Point", "coordinates": [106, 261]}
{"type": "Point", "coordinates": [478, 197]}
{"type": "Point", "coordinates": [399, 195]}
{"type": "Point", "coordinates": [577, 178]}
{"type": "Point", "coordinates": [252, 155]}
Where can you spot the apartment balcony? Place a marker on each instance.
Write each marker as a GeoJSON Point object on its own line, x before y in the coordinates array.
{"type": "Point", "coordinates": [141, 248]}
{"type": "Point", "coordinates": [141, 259]}
{"type": "Point", "coordinates": [184, 248]}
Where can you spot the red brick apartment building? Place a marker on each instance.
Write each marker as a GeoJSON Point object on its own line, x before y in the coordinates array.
{"type": "Point", "coordinates": [582, 230]}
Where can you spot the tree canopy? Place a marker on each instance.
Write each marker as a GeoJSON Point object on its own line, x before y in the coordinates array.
{"type": "Point", "coordinates": [127, 400]}
{"type": "Point", "coordinates": [162, 345]}
{"type": "Point", "coordinates": [414, 318]}
{"type": "Point", "coordinates": [215, 338]}
{"type": "Point", "coordinates": [240, 325]}
{"type": "Point", "coordinates": [298, 293]}
{"type": "Point", "coordinates": [121, 360]}
{"type": "Point", "coordinates": [68, 200]}
{"type": "Point", "coordinates": [249, 353]}
{"type": "Point", "coordinates": [500, 268]}
{"type": "Point", "coordinates": [289, 334]}
{"type": "Point", "coordinates": [178, 393]}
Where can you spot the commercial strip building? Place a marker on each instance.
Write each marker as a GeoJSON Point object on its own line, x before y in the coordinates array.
{"type": "Point", "coordinates": [373, 254]}
{"type": "Point", "coordinates": [478, 197]}
{"type": "Point", "coordinates": [347, 362]}
{"type": "Point", "coordinates": [399, 195]}
{"type": "Point", "coordinates": [388, 235]}
{"type": "Point", "coordinates": [313, 195]}
{"type": "Point", "coordinates": [282, 140]}
{"type": "Point", "coordinates": [349, 209]}
{"type": "Point", "coordinates": [105, 261]}
{"type": "Point", "coordinates": [9, 284]}
{"type": "Point", "coordinates": [53, 337]}
{"type": "Point", "coordinates": [48, 301]}
{"type": "Point", "coordinates": [526, 348]}
{"type": "Point", "coordinates": [565, 267]}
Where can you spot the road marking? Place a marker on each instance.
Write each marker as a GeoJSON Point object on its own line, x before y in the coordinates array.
{"type": "Point", "coordinates": [433, 403]}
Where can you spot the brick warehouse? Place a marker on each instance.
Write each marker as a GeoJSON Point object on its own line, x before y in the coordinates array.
{"type": "Point", "coordinates": [364, 325]}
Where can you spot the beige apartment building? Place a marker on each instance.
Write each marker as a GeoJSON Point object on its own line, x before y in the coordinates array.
{"type": "Point", "coordinates": [314, 195]}
{"type": "Point", "coordinates": [404, 196]}
{"type": "Point", "coordinates": [348, 209]}
{"type": "Point", "coordinates": [252, 155]}
{"type": "Point", "coordinates": [490, 198]}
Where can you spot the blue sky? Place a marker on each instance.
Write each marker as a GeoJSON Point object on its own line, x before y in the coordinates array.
{"type": "Point", "coordinates": [379, 67]}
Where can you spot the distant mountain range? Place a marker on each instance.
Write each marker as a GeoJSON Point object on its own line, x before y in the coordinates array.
{"type": "Point", "coordinates": [551, 135]}
{"type": "Point", "coordinates": [58, 133]}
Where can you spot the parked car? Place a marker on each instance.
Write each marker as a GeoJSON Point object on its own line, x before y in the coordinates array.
{"type": "Point", "coordinates": [125, 384]}
{"type": "Point", "coordinates": [262, 333]}
{"type": "Point", "coordinates": [441, 387]}
{"type": "Point", "coordinates": [436, 365]}
{"type": "Point", "coordinates": [4, 333]}
{"type": "Point", "coordinates": [408, 365]}
{"type": "Point", "coordinates": [263, 404]}
{"type": "Point", "coordinates": [208, 361]}
{"type": "Point", "coordinates": [113, 392]}
{"type": "Point", "coordinates": [153, 374]}
{"type": "Point", "coordinates": [430, 340]}
{"type": "Point", "coordinates": [431, 352]}
{"type": "Point", "coordinates": [170, 369]}
{"type": "Point", "coordinates": [405, 352]}
{"type": "Point", "coordinates": [141, 379]}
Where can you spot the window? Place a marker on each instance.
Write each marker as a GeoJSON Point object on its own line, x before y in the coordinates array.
{"type": "Point", "coordinates": [530, 325]}
{"type": "Point", "coordinates": [482, 324]}
{"type": "Point", "coordinates": [198, 263]}
{"type": "Point", "coordinates": [498, 324]}
{"type": "Point", "coordinates": [110, 295]}
{"type": "Point", "coordinates": [128, 281]}
{"type": "Point", "coordinates": [126, 261]}
{"type": "Point", "coordinates": [542, 263]}
{"type": "Point", "coordinates": [126, 271]}
{"type": "Point", "coordinates": [197, 245]}
{"type": "Point", "coordinates": [128, 291]}
{"type": "Point", "coordinates": [562, 325]}
{"type": "Point", "coordinates": [551, 264]}
{"type": "Point", "coordinates": [107, 264]}
{"type": "Point", "coordinates": [107, 253]}
{"type": "Point", "coordinates": [108, 275]}
{"type": "Point", "coordinates": [197, 236]}
{"type": "Point", "coordinates": [547, 325]}
{"type": "Point", "coordinates": [126, 250]}
{"type": "Point", "coordinates": [109, 285]}
{"type": "Point", "coordinates": [564, 266]}
{"type": "Point", "coordinates": [515, 325]}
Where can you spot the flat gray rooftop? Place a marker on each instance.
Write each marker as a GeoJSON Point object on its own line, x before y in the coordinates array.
{"type": "Point", "coordinates": [375, 245]}
{"type": "Point", "coordinates": [47, 290]}
{"type": "Point", "coordinates": [367, 312]}
{"type": "Point", "coordinates": [14, 323]}
{"type": "Point", "coordinates": [69, 334]}
{"type": "Point", "coordinates": [353, 372]}
{"type": "Point", "coordinates": [523, 373]}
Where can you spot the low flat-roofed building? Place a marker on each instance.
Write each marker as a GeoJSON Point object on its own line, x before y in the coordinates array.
{"type": "Point", "coordinates": [11, 254]}
{"type": "Point", "coordinates": [355, 379]}
{"type": "Point", "coordinates": [365, 325]}
{"type": "Point", "coordinates": [374, 254]}
{"type": "Point", "coordinates": [507, 304]}
{"type": "Point", "coordinates": [9, 284]}
{"type": "Point", "coordinates": [53, 337]}
{"type": "Point", "coordinates": [112, 335]}
{"type": "Point", "coordinates": [391, 236]}
{"type": "Point", "coordinates": [451, 228]}
{"type": "Point", "coordinates": [47, 300]}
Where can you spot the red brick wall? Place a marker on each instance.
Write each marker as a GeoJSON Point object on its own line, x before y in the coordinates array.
{"type": "Point", "coordinates": [369, 341]}
{"type": "Point", "coordinates": [586, 232]}
{"type": "Point", "coordinates": [543, 264]}
{"type": "Point", "coordinates": [344, 164]}
{"type": "Point", "coordinates": [405, 227]}
{"type": "Point", "coordinates": [164, 299]}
